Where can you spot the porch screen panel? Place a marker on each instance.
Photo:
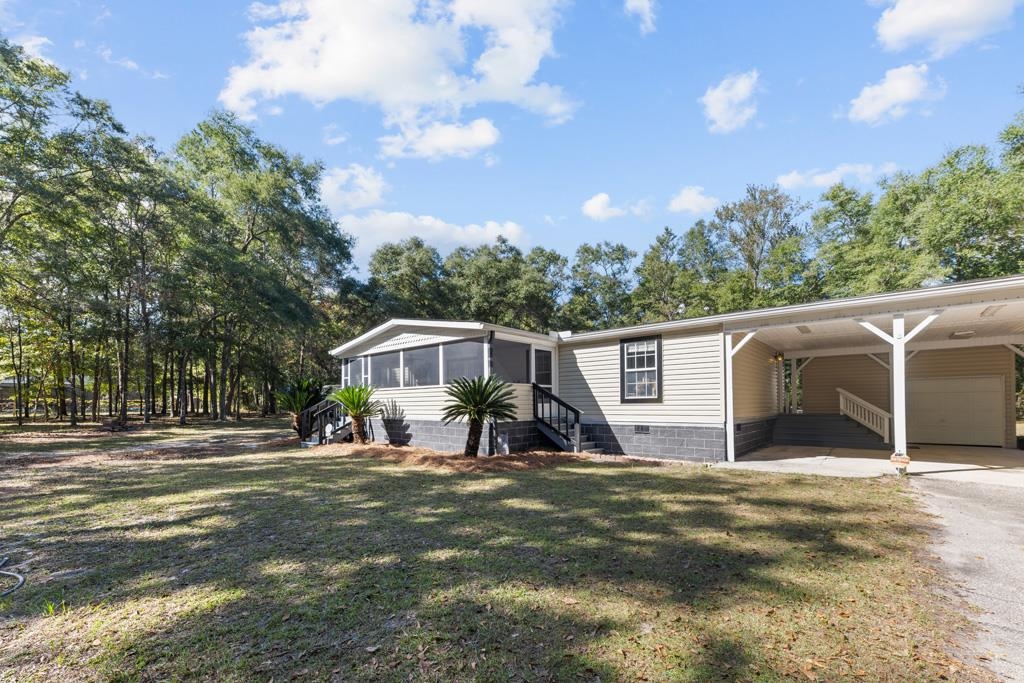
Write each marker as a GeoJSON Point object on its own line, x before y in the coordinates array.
{"type": "Point", "coordinates": [384, 370]}
{"type": "Point", "coordinates": [422, 367]}
{"type": "Point", "coordinates": [543, 374]}
{"type": "Point", "coordinates": [463, 359]}
{"type": "Point", "coordinates": [511, 361]}
{"type": "Point", "coordinates": [352, 372]}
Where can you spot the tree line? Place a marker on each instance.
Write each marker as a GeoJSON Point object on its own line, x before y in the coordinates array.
{"type": "Point", "coordinates": [198, 280]}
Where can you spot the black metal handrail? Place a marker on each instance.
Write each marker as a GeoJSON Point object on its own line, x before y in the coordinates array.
{"type": "Point", "coordinates": [315, 419]}
{"type": "Point", "coordinates": [559, 416]}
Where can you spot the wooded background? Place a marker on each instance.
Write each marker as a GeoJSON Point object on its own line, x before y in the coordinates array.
{"type": "Point", "coordinates": [198, 280]}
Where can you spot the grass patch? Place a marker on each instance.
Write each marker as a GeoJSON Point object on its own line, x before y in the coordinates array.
{"type": "Point", "coordinates": [341, 564]}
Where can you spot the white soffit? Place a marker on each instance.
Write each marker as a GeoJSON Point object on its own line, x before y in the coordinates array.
{"type": "Point", "coordinates": [1007, 321]}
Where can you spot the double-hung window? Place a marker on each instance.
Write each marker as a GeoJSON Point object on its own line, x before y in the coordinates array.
{"type": "Point", "coordinates": [641, 369]}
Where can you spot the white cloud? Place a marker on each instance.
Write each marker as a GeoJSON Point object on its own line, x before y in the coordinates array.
{"type": "Point", "coordinates": [730, 105]}
{"type": "Point", "coordinates": [691, 199]}
{"type": "Point", "coordinates": [333, 136]}
{"type": "Point", "coordinates": [354, 187]}
{"type": "Point", "coordinates": [890, 98]}
{"type": "Point", "coordinates": [439, 140]}
{"type": "Point", "coordinates": [599, 208]}
{"type": "Point", "coordinates": [107, 55]}
{"type": "Point", "coordinates": [644, 11]}
{"type": "Point", "coordinates": [324, 51]}
{"type": "Point", "coordinates": [860, 173]}
{"type": "Point", "coordinates": [377, 227]}
{"type": "Point", "coordinates": [942, 25]}
{"type": "Point", "coordinates": [34, 46]}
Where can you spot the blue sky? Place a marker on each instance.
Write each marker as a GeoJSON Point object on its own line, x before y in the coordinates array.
{"type": "Point", "coordinates": [552, 122]}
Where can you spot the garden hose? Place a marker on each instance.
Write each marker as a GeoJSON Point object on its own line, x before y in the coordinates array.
{"type": "Point", "coordinates": [17, 577]}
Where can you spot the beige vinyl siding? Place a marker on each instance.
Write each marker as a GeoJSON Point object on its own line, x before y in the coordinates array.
{"type": "Point", "coordinates": [755, 381]}
{"type": "Point", "coordinates": [869, 380]}
{"type": "Point", "coordinates": [860, 375]}
{"type": "Point", "coordinates": [427, 403]}
{"type": "Point", "coordinates": [588, 378]}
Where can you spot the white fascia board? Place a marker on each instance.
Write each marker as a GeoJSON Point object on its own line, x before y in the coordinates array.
{"type": "Point", "coordinates": [912, 301]}
{"type": "Point", "coordinates": [403, 322]}
{"type": "Point", "coordinates": [523, 337]}
{"type": "Point", "coordinates": [412, 324]}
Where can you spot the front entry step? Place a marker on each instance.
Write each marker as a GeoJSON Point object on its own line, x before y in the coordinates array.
{"type": "Point", "coordinates": [830, 431]}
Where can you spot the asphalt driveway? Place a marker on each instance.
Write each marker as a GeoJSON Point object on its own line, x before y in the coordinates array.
{"type": "Point", "coordinates": [981, 543]}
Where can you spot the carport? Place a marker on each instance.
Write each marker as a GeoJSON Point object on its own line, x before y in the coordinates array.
{"type": "Point", "coordinates": [920, 367]}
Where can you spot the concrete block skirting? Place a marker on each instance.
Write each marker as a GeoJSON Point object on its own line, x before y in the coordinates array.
{"type": "Point", "coordinates": [753, 435]}
{"type": "Point", "coordinates": [698, 443]}
{"type": "Point", "coordinates": [438, 436]}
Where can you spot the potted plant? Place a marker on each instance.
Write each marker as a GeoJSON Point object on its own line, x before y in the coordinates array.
{"type": "Point", "coordinates": [477, 401]}
{"type": "Point", "coordinates": [359, 404]}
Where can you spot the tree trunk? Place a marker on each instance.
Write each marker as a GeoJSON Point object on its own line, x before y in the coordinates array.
{"type": "Point", "coordinates": [206, 387]}
{"type": "Point", "coordinates": [359, 429]}
{"type": "Point", "coordinates": [476, 430]}
{"type": "Point", "coordinates": [182, 392]}
{"type": "Point", "coordinates": [214, 405]}
{"type": "Point", "coordinates": [74, 372]}
{"type": "Point", "coordinates": [81, 389]}
{"type": "Point", "coordinates": [149, 379]}
{"type": "Point", "coordinates": [123, 369]}
{"type": "Point", "coordinates": [96, 385]}
{"type": "Point", "coordinates": [175, 402]}
{"type": "Point", "coordinates": [16, 364]}
{"type": "Point", "coordinates": [192, 387]}
{"type": "Point", "coordinates": [225, 362]}
{"type": "Point", "coordinates": [110, 388]}
{"type": "Point", "coordinates": [163, 385]}
{"type": "Point", "coordinates": [62, 408]}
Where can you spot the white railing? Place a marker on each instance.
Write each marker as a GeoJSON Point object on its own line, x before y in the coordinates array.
{"type": "Point", "coordinates": [867, 414]}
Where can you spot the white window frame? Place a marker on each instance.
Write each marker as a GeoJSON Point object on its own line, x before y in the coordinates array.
{"type": "Point", "coordinates": [624, 372]}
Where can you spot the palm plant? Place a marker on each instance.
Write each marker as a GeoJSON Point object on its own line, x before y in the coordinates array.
{"type": "Point", "coordinates": [359, 404]}
{"type": "Point", "coordinates": [477, 401]}
{"type": "Point", "coordinates": [299, 395]}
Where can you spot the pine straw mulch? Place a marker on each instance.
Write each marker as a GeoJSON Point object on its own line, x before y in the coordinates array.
{"type": "Point", "coordinates": [457, 462]}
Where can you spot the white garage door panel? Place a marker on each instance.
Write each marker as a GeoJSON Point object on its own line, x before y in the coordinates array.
{"type": "Point", "coordinates": [962, 410]}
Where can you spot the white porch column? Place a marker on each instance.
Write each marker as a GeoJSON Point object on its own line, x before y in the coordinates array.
{"type": "Point", "coordinates": [899, 385]}
{"type": "Point", "coordinates": [730, 428]}
{"type": "Point", "coordinates": [780, 385]}
{"type": "Point", "coordinates": [730, 413]}
{"type": "Point", "coordinates": [794, 374]}
{"type": "Point", "coordinates": [898, 343]}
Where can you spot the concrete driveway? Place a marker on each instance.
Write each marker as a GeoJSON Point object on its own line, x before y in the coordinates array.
{"type": "Point", "coordinates": [999, 466]}
{"type": "Point", "coordinates": [978, 496]}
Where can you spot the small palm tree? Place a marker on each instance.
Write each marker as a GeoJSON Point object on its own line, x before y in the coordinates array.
{"type": "Point", "coordinates": [478, 400]}
{"type": "Point", "coordinates": [298, 396]}
{"type": "Point", "coordinates": [359, 404]}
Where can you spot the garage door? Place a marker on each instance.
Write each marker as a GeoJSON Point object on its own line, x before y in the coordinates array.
{"type": "Point", "coordinates": [965, 410]}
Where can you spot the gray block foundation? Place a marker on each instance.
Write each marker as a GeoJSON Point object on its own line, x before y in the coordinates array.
{"type": "Point", "coordinates": [697, 443]}
{"type": "Point", "coordinates": [751, 436]}
{"type": "Point", "coordinates": [438, 436]}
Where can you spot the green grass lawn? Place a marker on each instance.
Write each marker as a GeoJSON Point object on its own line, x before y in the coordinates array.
{"type": "Point", "coordinates": [331, 564]}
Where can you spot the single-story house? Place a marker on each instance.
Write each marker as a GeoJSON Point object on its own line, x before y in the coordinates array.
{"type": "Point", "coordinates": [931, 365]}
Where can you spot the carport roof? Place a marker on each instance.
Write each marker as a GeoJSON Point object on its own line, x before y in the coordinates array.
{"type": "Point", "coordinates": [990, 310]}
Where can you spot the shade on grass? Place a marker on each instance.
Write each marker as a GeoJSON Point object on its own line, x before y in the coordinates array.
{"type": "Point", "coordinates": [272, 564]}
